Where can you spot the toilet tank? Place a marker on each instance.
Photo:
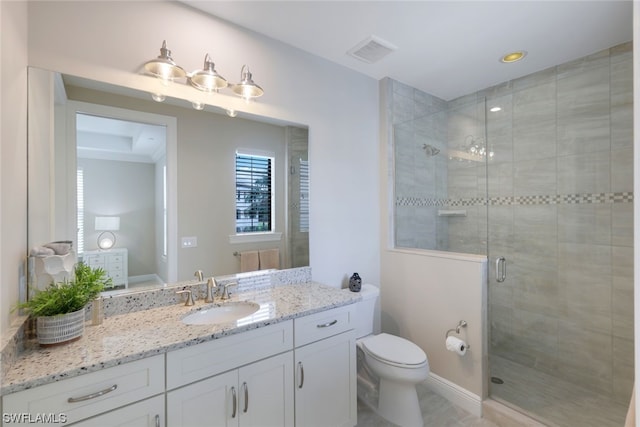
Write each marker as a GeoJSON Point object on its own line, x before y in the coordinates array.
{"type": "Point", "coordinates": [365, 310]}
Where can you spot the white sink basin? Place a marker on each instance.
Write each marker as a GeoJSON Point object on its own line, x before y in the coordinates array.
{"type": "Point", "coordinates": [221, 314]}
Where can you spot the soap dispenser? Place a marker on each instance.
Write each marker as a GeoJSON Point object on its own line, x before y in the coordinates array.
{"type": "Point", "coordinates": [355, 283]}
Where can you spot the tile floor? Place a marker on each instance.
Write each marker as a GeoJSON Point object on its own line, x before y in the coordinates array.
{"type": "Point", "coordinates": [436, 411]}
{"type": "Point", "coordinates": [555, 402]}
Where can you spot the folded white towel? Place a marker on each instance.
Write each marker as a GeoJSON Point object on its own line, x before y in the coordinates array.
{"type": "Point", "coordinates": [41, 251]}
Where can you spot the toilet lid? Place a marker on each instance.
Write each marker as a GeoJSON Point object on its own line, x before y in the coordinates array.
{"type": "Point", "coordinates": [394, 349]}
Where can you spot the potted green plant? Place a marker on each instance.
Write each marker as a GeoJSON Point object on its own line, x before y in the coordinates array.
{"type": "Point", "coordinates": [60, 308]}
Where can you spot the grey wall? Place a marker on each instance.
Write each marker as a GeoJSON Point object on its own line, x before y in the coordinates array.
{"type": "Point", "coordinates": [126, 190]}
{"type": "Point", "coordinates": [13, 155]}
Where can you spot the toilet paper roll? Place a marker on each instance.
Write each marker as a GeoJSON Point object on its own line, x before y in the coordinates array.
{"type": "Point", "coordinates": [456, 345]}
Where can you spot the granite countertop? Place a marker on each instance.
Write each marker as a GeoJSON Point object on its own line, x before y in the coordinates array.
{"type": "Point", "coordinates": [128, 337]}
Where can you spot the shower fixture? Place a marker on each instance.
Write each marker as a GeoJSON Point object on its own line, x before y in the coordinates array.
{"type": "Point", "coordinates": [430, 150]}
{"type": "Point", "coordinates": [472, 150]}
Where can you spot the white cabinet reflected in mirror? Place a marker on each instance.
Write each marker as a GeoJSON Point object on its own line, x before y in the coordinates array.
{"type": "Point", "coordinates": [166, 172]}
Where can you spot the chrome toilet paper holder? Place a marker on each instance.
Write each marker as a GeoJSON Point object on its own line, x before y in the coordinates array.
{"type": "Point", "coordinates": [461, 324]}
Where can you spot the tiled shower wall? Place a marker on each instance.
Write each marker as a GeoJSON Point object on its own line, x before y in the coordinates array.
{"type": "Point", "coordinates": [559, 187]}
{"type": "Point", "coordinates": [561, 192]}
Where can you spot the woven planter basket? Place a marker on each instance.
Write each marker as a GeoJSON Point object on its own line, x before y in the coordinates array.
{"type": "Point", "coordinates": [53, 330]}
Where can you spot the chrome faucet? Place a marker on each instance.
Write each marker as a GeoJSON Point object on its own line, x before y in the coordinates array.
{"type": "Point", "coordinates": [190, 297]}
{"type": "Point", "coordinates": [211, 285]}
{"type": "Point", "coordinates": [199, 275]}
{"type": "Point", "coordinates": [225, 291]}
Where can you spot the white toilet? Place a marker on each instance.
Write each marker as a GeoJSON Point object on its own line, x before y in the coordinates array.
{"type": "Point", "coordinates": [389, 367]}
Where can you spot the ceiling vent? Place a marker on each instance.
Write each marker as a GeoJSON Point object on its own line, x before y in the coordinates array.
{"type": "Point", "coordinates": [372, 49]}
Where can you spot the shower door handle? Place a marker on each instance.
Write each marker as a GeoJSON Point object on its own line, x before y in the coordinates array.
{"type": "Point", "coordinates": [501, 269]}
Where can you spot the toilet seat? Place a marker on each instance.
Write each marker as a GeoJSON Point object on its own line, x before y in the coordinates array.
{"type": "Point", "coordinates": [395, 351]}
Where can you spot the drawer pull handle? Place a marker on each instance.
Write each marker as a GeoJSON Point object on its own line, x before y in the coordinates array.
{"type": "Point", "coordinates": [326, 325]}
{"type": "Point", "coordinates": [235, 402]}
{"type": "Point", "coordinates": [157, 420]}
{"type": "Point", "coordinates": [301, 374]}
{"type": "Point", "coordinates": [246, 397]}
{"type": "Point", "coordinates": [92, 395]}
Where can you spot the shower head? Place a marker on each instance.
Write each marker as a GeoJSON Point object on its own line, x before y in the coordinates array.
{"type": "Point", "coordinates": [430, 150]}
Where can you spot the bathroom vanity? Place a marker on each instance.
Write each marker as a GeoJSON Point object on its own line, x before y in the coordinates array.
{"type": "Point", "coordinates": [290, 363]}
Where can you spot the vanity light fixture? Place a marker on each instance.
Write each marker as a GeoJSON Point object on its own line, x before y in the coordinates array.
{"type": "Point", "coordinates": [513, 56]}
{"type": "Point", "coordinates": [247, 89]}
{"type": "Point", "coordinates": [207, 79]}
{"type": "Point", "coordinates": [164, 67]}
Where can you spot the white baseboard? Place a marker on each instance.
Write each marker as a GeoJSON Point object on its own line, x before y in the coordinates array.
{"type": "Point", "coordinates": [145, 278]}
{"type": "Point", "coordinates": [457, 395]}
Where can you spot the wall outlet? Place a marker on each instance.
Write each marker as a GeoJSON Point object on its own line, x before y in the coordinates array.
{"type": "Point", "coordinates": [189, 242]}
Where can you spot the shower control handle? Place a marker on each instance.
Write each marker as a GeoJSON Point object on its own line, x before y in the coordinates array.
{"type": "Point", "coordinates": [501, 269]}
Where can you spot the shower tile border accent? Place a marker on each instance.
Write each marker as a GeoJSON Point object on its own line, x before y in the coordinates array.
{"type": "Point", "coordinates": [559, 199]}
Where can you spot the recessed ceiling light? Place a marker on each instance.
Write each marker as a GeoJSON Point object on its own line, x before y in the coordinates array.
{"type": "Point", "coordinates": [513, 56]}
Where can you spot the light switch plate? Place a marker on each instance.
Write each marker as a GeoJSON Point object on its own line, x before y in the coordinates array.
{"type": "Point", "coordinates": [190, 242]}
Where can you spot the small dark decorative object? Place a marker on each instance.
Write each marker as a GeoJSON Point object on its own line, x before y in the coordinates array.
{"type": "Point", "coordinates": [355, 283]}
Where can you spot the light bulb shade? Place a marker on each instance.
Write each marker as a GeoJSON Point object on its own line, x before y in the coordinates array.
{"type": "Point", "coordinates": [107, 223]}
{"type": "Point", "coordinates": [163, 66]}
{"type": "Point", "coordinates": [106, 240]}
{"type": "Point", "coordinates": [247, 87]}
{"type": "Point", "coordinates": [207, 79]}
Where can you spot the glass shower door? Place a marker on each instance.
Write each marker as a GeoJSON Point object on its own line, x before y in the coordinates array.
{"type": "Point", "coordinates": [560, 213]}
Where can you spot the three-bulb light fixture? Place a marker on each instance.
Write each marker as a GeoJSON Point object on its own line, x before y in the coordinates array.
{"type": "Point", "coordinates": [206, 80]}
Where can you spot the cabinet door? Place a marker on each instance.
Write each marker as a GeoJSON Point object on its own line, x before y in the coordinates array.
{"type": "Point", "coordinates": [211, 402]}
{"type": "Point", "coordinates": [266, 392]}
{"type": "Point", "coordinates": [95, 393]}
{"type": "Point", "coordinates": [148, 413]}
{"type": "Point", "coordinates": [325, 386]}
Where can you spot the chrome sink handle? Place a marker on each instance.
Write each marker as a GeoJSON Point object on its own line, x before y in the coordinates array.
{"type": "Point", "coordinates": [199, 275]}
{"type": "Point", "coordinates": [190, 298]}
{"type": "Point", "coordinates": [211, 285]}
{"type": "Point", "coordinates": [225, 291]}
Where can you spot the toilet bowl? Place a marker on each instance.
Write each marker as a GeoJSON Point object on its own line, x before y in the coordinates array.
{"type": "Point", "coordinates": [389, 368]}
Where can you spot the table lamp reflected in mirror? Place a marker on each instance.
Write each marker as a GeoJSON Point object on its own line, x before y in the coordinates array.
{"type": "Point", "coordinates": [107, 224]}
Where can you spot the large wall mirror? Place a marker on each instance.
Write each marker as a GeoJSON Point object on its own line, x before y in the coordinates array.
{"type": "Point", "coordinates": [157, 180]}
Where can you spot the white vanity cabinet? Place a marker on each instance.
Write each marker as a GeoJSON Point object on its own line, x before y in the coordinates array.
{"type": "Point", "coordinates": [258, 394]}
{"type": "Point", "coordinates": [299, 372]}
{"type": "Point", "coordinates": [85, 396]}
{"type": "Point", "coordinates": [325, 362]}
{"type": "Point", "coordinates": [244, 379]}
{"type": "Point", "coordinates": [113, 261]}
{"type": "Point", "coordinates": [148, 413]}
